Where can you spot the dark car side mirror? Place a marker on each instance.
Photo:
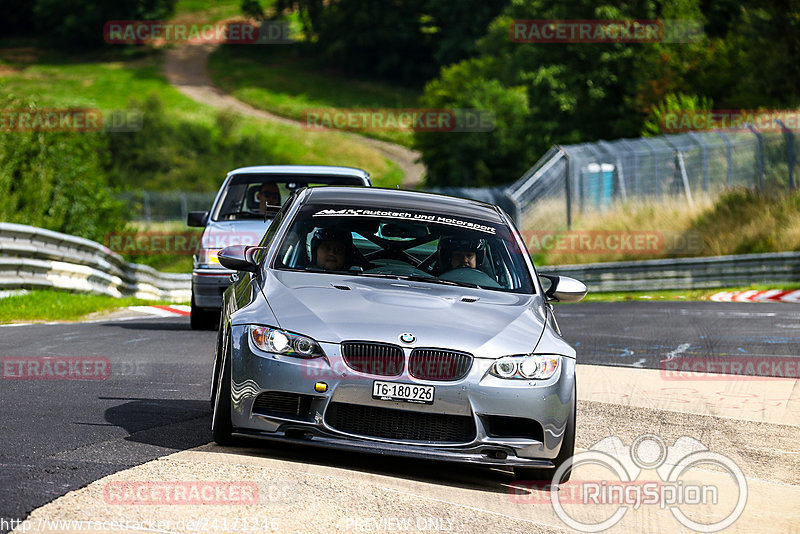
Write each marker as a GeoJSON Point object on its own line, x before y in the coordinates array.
{"type": "Point", "coordinates": [238, 258]}
{"type": "Point", "coordinates": [197, 219]}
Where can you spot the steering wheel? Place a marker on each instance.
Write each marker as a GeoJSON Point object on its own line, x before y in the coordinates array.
{"type": "Point", "coordinates": [393, 254]}
{"type": "Point", "coordinates": [470, 275]}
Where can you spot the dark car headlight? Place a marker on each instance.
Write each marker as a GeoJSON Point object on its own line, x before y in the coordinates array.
{"type": "Point", "coordinates": [527, 367]}
{"type": "Point", "coordinates": [280, 341]}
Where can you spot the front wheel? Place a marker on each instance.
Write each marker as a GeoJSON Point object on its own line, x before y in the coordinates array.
{"type": "Point", "coordinates": [221, 426]}
{"type": "Point", "coordinates": [564, 456]}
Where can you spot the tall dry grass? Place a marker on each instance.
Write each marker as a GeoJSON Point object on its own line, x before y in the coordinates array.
{"type": "Point", "coordinates": [738, 221]}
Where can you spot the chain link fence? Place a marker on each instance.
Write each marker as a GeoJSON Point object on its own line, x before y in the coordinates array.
{"type": "Point", "coordinates": [165, 206]}
{"type": "Point", "coordinates": [572, 179]}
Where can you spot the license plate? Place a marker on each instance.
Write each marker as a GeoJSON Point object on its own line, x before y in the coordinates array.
{"type": "Point", "coordinates": [395, 391]}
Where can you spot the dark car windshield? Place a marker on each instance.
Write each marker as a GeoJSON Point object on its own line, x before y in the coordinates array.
{"type": "Point", "coordinates": [256, 196]}
{"type": "Point", "coordinates": [401, 244]}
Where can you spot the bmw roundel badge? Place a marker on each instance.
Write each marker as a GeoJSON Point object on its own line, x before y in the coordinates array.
{"type": "Point", "coordinates": [407, 337]}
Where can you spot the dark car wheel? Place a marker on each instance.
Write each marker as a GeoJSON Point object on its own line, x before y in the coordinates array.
{"type": "Point", "coordinates": [221, 426]}
{"type": "Point", "coordinates": [218, 355]}
{"type": "Point", "coordinates": [564, 456]}
{"type": "Point", "coordinates": [202, 319]}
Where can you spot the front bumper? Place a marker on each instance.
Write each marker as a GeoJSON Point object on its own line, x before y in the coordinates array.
{"type": "Point", "coordinates": [208, 285]}
{"type": "Point", "coordinates": [478, 396]}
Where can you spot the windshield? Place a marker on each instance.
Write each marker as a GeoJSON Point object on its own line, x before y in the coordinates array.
{"type": "Point", "coordinates": [426, 247]}
{"type": "Point", "coordinates": [256, 196]}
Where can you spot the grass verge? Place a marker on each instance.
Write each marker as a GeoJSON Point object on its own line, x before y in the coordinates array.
{"type": "Point", "coordinates": [110, 79]}
{"type": "Point", "coordinates": [206, 11]}
{"type": "Point", "coordinates": [739, 221]}
{"type": "Point", "coordinates": [288, 81]}
{"type": "Point", "coordinates": [677, 294]}
{"type": "Point", "coordinates": [55, 305]}
{"type": "Point", "coordinates": [170, 261]}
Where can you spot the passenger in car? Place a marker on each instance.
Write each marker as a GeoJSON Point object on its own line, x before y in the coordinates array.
{"type": "Point", "coordinates": [329, 248]}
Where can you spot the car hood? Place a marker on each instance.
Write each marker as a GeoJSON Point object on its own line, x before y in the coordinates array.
{"type": "Point", "coordinates": [221, 234]}
{"type": "Point", "coordinates": [333, 308]}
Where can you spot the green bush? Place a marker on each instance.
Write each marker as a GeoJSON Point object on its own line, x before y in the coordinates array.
{"type": "Point", "coordinates": [57, 181]}
{"type": "Point", "coordinates": [475, 159]}
{"type": "Point", "coordinates": [171, 154]}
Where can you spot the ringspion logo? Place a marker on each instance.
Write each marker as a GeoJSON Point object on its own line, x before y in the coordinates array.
{"type": "Point", "coordinates": [679, 488]}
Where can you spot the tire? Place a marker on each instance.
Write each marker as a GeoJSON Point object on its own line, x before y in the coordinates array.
{"type": "Point", "coordinates": [221, 426]}
{"type": "Point", "coordinates": [217, 358]}
{"type": "Point", "coordinates": [202, 319]}
{"type": "Point", "coordinates": [564, 456]}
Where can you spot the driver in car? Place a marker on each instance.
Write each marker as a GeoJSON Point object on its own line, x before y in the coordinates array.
{"type": "Point", "coordinates": [457, 253]}
{"type": "Point", "coordinates": [329, 248]}
{"type": "Point", "coordinates": [269, 197]}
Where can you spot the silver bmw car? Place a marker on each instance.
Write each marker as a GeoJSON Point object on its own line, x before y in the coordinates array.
{"type": "Point", "coordinates": [399, 323]}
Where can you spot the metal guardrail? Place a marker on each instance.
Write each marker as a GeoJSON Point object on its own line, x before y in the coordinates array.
{"type": "Point", "coordinates": [33, 257]}
{"type": "Point", "coordinates": [684, 273]}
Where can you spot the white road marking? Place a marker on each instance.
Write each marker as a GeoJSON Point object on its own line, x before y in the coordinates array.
{"type": "Point", "coordinates": [677, 352]}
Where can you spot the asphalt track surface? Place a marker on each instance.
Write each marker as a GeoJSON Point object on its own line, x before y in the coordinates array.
{"type": "Point", "coordinates": [643, 334]}
{"type": "Point", "coordinates": [59, 435]}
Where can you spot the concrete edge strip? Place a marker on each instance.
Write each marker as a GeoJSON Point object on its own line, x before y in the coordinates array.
{"type": "Point", "coordinates": [745, 398]}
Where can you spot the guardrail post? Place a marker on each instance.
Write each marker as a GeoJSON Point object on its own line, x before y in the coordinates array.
{"type": "Point", "coordinates": [184, 209]}
{"type": "Point", "coordinates": [146, 207]}
{"type": "Point", "coordinates": [728, 157]}
{"type": "Point", "coordinates": [759, 157]}
{"type": "Point", "coordinates": [652, 151]}
{"type": "Point", "coordinates": [789, 135]}
{"type": "Point", "coordinates": [684, 177]}
{"type": "Point", "coordinates": [568, 188]}
{"type": "Point", "coordinates": [704, 155]}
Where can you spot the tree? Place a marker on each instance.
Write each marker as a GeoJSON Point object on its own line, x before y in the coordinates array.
{"type": "Point", "coordinates": [80, 22]}
{"type": "Point", "coordinates": [475, 158]}
{"type": "Point", "coordinates": [576, 92]}
{"type": "Point", "coordinates": [400, 40]}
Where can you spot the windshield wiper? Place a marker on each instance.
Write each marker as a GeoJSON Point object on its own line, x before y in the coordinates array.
{"type": "Point", "coordinates": [419, 278]}
{"type": "Point", "coordinates": [433, 279]}
{"type": "Point", "coordinates": [250, 214]}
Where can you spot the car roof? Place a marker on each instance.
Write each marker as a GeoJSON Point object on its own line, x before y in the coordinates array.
{"type": "Point", "coordinates": [326, 170]}
{"type": "Point", "coordinates": [376, 197]}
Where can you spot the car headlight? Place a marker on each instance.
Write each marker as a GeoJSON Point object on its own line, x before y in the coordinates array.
{"type": "Point", "coordinates": [208, 256]}
{"type": "Point", "coordinates": [530, 367]}
{"type": "Point", "coordinates": [282, 342]}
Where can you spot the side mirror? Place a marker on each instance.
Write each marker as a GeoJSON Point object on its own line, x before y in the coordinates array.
{"type": "Point", "coordinates": [197, 219]}
{"type": "Point", "coordinates": [564, 288]}
{"type": "Point", "coordinates": [238, 258]}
